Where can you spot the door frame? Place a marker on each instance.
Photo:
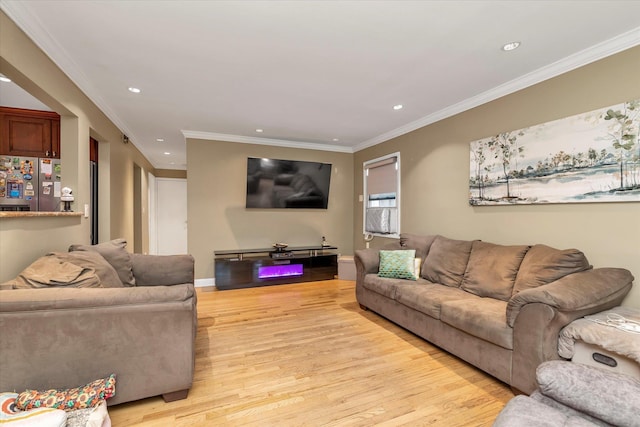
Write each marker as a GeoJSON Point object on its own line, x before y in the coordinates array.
{"type": "Point", "coordinates": [154, 209]}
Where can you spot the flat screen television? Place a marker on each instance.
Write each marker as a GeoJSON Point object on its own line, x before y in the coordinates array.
{"type": "Point", "coordinates": [287, 184]}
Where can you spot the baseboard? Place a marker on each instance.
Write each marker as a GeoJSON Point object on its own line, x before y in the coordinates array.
{"type": "Point", "coordinates": [205, 283]}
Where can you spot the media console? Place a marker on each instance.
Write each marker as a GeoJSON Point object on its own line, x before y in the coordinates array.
{"type": "Point", "coordinates": [235, 269]}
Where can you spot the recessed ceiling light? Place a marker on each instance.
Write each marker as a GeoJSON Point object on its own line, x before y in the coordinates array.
{"type": "Point", "coordinates": [259, 130]}
{"type": "Point", "coordinates": [166, 153]}
{"type": "Point", "coordinates": [160, 139]}
{"type": "Point", "coordinates": [398, 107]}
{"type": "Point", "coordinates": [335, 140]}
{"type": "Point", "coordinates": [134, 90]}
{"type": "Point", "coordinates": [4, 79]}
{"type": "Point", "coordinates": [510, 46]}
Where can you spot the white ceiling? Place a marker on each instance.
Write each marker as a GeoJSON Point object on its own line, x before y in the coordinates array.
{"type": "Point", "coordinates": [309, 72]}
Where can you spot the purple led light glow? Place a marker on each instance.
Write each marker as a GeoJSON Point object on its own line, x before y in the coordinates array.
{"type": "Point", "coordinates": [273, 271]}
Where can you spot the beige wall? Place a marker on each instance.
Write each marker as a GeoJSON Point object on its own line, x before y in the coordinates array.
{"type": "Point", "coordinates": [170, 173]}
{"type": "Point", "coordinates": [435, 173]}
{"type": "Point", "coordinates": [435, 164]}
{"type": "Point", "coordinates": [22, 240]}
{"type": "Point", "coordinates": [218, 219]}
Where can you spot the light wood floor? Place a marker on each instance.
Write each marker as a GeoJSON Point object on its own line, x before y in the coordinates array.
{"type": "Point", "coordinates": [307, 355]}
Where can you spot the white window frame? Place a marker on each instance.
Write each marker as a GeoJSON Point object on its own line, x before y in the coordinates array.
{"type": "Point", "coordinates": [365, 166]}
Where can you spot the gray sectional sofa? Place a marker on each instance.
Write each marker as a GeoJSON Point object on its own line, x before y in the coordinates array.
{"type": "Point", "coordinates": [497, 307]}
{"type": "Point", "coordinates": [71, 318]}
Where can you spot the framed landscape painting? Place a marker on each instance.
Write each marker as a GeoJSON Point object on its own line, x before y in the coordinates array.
{"type": "Point", "coordinates": [590, 157]}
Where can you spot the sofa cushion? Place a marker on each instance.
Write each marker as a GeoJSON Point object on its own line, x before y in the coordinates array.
{"type": "Point", "coordinates": [605, 395]}
{"type": "Point", "coordinates": [421, 244]}
{"type": "Point", "coordinates": [115, 253]}
{"type": "Point", "coordinates": [447, 261]}
{"type": "Point", "coordinates": [492, 269]}
{"type": "Point", "coordinates": [543, 264]}
{"type": "Point", "coordinates": [89, 259]}
{"type": "Point", "coordinates": [381, 285]}
{"type": "Point", "coordinates": [427, 297]}
{"type": "Point", "coordinates": [398, 264]}
{"type": "Point", "coordinates": [567, 410]}
{"type": "Point", "coordinates": [523, 411]}
{"type": "Point", "coordinates": [483, 318]}
{"type": "Point", "coordinates": [152, 271]}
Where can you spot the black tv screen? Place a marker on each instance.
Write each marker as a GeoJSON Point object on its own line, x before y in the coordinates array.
{"type": "Point", "coordinates": [283, 184]}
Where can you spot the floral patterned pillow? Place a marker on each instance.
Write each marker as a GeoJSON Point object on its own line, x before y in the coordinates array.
{"type": "Point", "coordinates": [71, 399]}
{"type": "Point", "coordinates": [10, 415]}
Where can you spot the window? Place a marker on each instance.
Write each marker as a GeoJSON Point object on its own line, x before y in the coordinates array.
{"type": "Point", "coordinates": [381, 216]}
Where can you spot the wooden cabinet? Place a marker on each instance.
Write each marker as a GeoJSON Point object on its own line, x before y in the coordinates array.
{"type": "Point", "coordinates": [30, 133]}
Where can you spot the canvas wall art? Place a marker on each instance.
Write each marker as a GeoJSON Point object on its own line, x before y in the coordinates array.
{"type": "Point", "coordinates": [589, 157]}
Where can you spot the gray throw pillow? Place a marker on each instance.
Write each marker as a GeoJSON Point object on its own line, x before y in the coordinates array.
{"type": "Point", "coordinates": [116, 255]}
{"type": "Point", "coordinates": [91, 259]}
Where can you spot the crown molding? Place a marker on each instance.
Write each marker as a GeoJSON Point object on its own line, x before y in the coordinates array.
{"type": "Point", "coordinates": [264, 141]}
{"type": "Point", "coordinates": [594, 53]}
{"type": "Point", "coordinates": [33, 28]}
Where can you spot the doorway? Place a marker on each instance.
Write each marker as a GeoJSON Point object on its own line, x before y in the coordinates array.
{"type": "Point", "coordinates": [170, 225]}
{"type": "Point", "coordinates": [93, 189]}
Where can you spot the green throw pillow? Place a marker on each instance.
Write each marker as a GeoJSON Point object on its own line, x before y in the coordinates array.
{"type": "Point", "coordinates": [398, 264]}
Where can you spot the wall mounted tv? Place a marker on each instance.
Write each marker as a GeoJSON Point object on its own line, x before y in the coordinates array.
{"type": "Point", "coordinates": [281, 184]}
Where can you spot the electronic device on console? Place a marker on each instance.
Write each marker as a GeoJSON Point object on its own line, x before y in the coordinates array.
{"type": "Point", "coordinates": [280, 251]}
{"type": "Point", "coordinates": [281, 254]}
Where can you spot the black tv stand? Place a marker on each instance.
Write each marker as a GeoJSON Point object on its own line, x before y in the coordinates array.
{"type": "Point", "coordinates": [245, 268]}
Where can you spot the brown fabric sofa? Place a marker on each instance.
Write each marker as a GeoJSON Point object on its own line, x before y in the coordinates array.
{"type": "Point", "coordinates": [63, 337]}
{"type": "Point", "coordinates": [498, 307]}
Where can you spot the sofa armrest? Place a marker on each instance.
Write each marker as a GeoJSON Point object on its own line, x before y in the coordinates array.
{"type": "Point", "coordinates": [63, 338]}
{"type": "Point", "coordinates": [162, 270]}
{"type": "Point", "coordinates": [591, 290]}
{"type": "Point", "coordinates": [367, 260]}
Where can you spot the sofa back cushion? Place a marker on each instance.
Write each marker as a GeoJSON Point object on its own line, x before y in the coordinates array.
{"type": "Point", "coordinates": [492, 269]}
{"type": "Point", "coordinates": [106, 273]}
{"type": "Point", "coordinates": [447, 261]}
{"type": "Point", "coordinates": [544, 264]}
{"type": "Point", "coordinates": [115, 253]}
{"type": "Point", "coordinates": [421, 244]}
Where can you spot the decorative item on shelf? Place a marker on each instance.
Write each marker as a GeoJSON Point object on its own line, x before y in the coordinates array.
{"type": "Point", "coordinates": [279, 247]}
{"type": "Point", "coordinates": [325, 243]}
{"type": "Point", "coordinates": [67, 198]}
